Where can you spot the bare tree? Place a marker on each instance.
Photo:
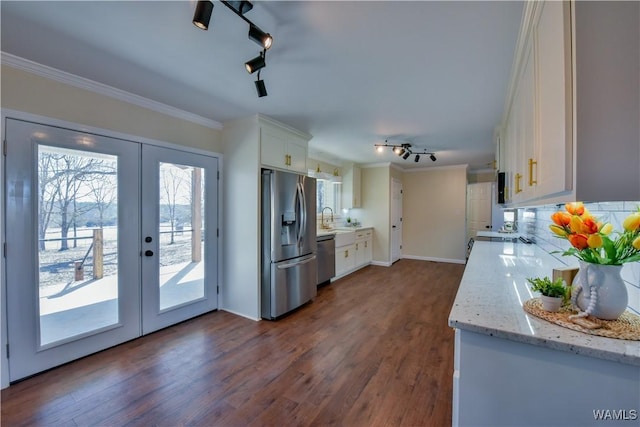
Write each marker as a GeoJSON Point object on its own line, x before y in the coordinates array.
{"type": "Point", "coordinates": [46, 196]}
{"type": "Point", "coordinates": [173, 185]}
{"type": "Point", "coordinates": [104, 190]}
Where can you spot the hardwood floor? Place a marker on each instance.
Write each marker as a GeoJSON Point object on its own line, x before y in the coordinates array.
{"type": "Point", "coordinates": [373, 349]}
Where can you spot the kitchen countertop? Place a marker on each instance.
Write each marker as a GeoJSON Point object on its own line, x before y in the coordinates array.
{"type": "Point", "coordinates": [329, 231]}
{"type": "Point", "coordinates": [498, 234]}
{"type": "Point", "coordinates": [493, 289]}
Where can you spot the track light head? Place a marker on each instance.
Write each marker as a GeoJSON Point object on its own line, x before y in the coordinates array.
{"type": "Point", "coordinates": [202, 15]}
{"type": "Point", "coordinates": [406, 155]}
{"type": "Point", "coordinates": [402, 151]}
{"type": "Point", "coordinates": [257, 35]}
{"type": "Point", "coordinates": [417, 159]}
{"type": "Point", "coordinates": [256, 63]}
{"type": "Point", "coordinates": [261, 88]}
{"type": "Point", "coordinates": [432, 157]}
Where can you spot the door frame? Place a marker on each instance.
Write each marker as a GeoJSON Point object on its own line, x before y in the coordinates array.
{"type": "Point", "coordinates": [398, 209]}
{"type": "Point", "coordinates": [6, 113]}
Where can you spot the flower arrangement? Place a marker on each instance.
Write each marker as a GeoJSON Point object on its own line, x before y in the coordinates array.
{"type": "Point", "coordinates": [595, 242]}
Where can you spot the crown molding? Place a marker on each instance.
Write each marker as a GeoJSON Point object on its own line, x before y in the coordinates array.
{"type": "Point", "coordinates": [102, 89]}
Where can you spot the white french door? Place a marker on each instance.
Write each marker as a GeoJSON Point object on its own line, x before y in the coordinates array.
{"type": "Point", "coordinates": [107, 239]}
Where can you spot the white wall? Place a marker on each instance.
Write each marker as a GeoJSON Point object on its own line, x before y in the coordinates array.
{"type": "Point", "coordinates": [434, 214]}
{"type": "Point", "coordinates": [376, 209]}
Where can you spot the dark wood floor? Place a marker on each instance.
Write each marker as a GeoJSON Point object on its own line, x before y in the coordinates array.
{"type": "Point", "coordinates": [373, 349]}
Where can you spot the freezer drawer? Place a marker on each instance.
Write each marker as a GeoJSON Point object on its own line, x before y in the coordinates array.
{"type": "Point", "coordinates": [290, 284]}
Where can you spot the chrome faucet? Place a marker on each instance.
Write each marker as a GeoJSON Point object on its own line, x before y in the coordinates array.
{"type": "Point", "coordinates": [322, 225]}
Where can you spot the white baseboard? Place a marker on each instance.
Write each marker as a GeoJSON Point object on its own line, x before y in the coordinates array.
{"type": "Point", "coordinates": [381, 263]}
{"type": "Point", "coordinates": [423, 258]}
{"type": "Point", "coordinates": [239, 314]}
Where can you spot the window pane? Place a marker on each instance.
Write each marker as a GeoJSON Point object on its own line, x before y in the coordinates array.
{"type": "Point", "coordinates": [328, 195]}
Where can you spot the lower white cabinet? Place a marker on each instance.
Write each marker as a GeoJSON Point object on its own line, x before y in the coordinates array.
{"type": "Point", "coordinates": [354, 252]}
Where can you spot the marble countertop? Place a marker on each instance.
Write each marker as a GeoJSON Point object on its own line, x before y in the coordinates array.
{"type": "Point", "coordinates": [494, 287]}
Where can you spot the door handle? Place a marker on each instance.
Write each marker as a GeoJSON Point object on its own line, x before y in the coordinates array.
{"type": "Point", "coordinates": [393, 226]}
{"type": "Point", "coordinates": [296, 263]}
{"type": "Point", "coordinates": [148, 239]}
{"type": "Point", "coordinates": [148, 253]}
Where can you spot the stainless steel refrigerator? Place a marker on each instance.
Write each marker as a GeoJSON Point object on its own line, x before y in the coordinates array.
{"type": "Point", "coordinates": [289, 265]}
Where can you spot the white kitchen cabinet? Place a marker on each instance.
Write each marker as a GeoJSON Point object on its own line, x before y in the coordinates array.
{"type": "Point", "coordinates": [572, 137]}
{"type": "Point", "coordinates": [283, 149]}
{"type": "Point", "coordinates": [351, 186]}
{"type": "Point", "coordinates": [364, 249]}
{"type": "Point", "coordinates": [345, 259]}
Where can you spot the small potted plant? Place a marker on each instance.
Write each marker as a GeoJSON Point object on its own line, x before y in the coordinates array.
{"type": "Point", "coordinates": [554, 292]}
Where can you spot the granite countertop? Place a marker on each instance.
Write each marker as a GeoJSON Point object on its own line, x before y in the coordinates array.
{"type": "Point", "coordinates": [494, 287]}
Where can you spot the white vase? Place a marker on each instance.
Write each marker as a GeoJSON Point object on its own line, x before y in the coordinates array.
{"type": "Point", "coordinates": [551, 304]}
{"type": "Point", "coordinates": [599, 291]}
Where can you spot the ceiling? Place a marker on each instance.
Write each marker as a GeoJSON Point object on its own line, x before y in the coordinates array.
{"type": "Point", "coordinates": [352, 74]}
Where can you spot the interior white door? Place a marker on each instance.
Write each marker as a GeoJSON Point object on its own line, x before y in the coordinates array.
{"type": "Point", "coordinates": [179, 229]}
{"type": "Point", "coordinates": [72, 227]}
{"type": "Point", "coordinates": [396, 220]}
{"type": "Point", "coordinates": [479, 203]}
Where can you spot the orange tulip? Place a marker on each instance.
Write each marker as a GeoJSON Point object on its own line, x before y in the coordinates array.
{"type": "Point", "coordinates": [575, 208]}
{"type": "Point", "coordinates": [636, 243]}
{"type": "Point", "coordinates": [560, 231]}
{"type": "Point", "coordinates": [632, 222]}
{"type": "Point", "coordinates": [589, 226]}
{"type": "Point", "coordinates": [594, 241]}
{"type": "Point", "coordinates": [578, 241]}
{"type": "Point", "coordinates": [561, 218]}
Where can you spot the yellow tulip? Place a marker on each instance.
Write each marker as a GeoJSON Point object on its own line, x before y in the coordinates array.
{"type": "Point", "coordinates": [594, 241]}
{"type": "Point", "coordinates": [606, 229]}
{"type": "Point", "coordinates": [560, 231]}
{"type": "Point", "coordinates": [636, 243]}
{"type": "Point", "coordinates": [576, 224]}
{"type": "Point", "coordinates": [632, 222]}
{"type": "Point", "coordinates": [575, 208]}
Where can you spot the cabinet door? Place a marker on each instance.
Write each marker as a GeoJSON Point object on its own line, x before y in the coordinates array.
{"type": "Point", "coordinates": [553, 96]}
{"type": "Point", "coordinates": [345, 259]}
{"type": "Point", "coordinates": [297, 150]}
{"type": "Point", "coordinates": [357, 201]}
{"type": "Point", "coordinates": [273, 148]}
{"type": "Point", "coordinates": [359, 253]}
{"type": "Point", "coordinates": [368, 250]}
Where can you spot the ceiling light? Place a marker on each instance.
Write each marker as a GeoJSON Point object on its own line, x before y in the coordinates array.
{"type": "Point", "coordinates": [255, 64]}
{"type": "Point", "coordinates": [257, 35]}
{"type": "Point", "coordinates": [202, 16]}
{"type": "Point", "coordinates": [432, 157]}
{"type": "Point", "coordinates": [379, 148]}
{"type": "Point", "coordinates": [261, 88]}
{"type": "Point", "coordinates": [406, 155]}
{"type": "Point", "coordinates": [402, 151]}
{"type": "Point", "coordinates": [417, 158]}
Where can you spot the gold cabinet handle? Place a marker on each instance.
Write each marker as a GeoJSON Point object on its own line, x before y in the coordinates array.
{"type": "Point", "coordinates": [531, 180]}
{"type": "Point", "coordinates": [346, 253]}
{"type": "Point", "coordinates": [495, 164]}
{"type": "Point", "coordinates": [356, 246]}
{"type": "Point", "coordinates": [366, 244]}
{"type": "Point", "coordinates": [518, 178]}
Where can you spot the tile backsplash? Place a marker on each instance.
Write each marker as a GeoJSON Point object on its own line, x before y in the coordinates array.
{"type": "Point", "coordinates": [534, 223]}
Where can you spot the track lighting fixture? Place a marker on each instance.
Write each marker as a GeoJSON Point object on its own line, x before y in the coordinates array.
{"type": "Point", "coordinates": [201, 19]}
{"type": "Point", "coordinates": [257, 35]}
{"type": "Point", "coordinates": [202, 16]}
{"type": "Point", "coordinates": [256, 63]}
{"type": "Point", "coordinates": [405, 150]}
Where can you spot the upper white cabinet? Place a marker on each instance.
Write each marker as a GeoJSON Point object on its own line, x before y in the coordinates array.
{"type": "Point", "coordinates": [282, 148]}
{"type": "Point", "coordinates": [568, 132]}
{"type": "Point", "coordinates": [351, 186]}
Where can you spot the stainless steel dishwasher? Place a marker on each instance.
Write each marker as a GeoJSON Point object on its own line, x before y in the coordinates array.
{"type": "Point", "coordinates": [326, 258]}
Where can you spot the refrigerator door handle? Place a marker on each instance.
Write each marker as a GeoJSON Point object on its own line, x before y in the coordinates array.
{"type": "Point", "coordinates": [296, 263]}
{"type": "Point", "coordinates": [303, 200]}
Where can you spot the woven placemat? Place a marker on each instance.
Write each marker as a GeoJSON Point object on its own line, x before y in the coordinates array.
{"type": "Point", "coordinates": [626, 327]}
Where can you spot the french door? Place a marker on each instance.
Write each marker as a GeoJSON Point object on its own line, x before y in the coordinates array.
{"type": "Point", "coordinates": [107, 239]}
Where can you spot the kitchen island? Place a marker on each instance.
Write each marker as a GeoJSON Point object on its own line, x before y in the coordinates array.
{"type": "Point", "coordinates": [513, 369]}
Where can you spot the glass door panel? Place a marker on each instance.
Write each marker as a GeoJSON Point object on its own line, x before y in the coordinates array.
{"type": "Point", "coordinates": [73, 251]}
{"type": "Point", "coordinates": [180, 229]}
{"type": "Point", "coordinates": [77, 242]}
